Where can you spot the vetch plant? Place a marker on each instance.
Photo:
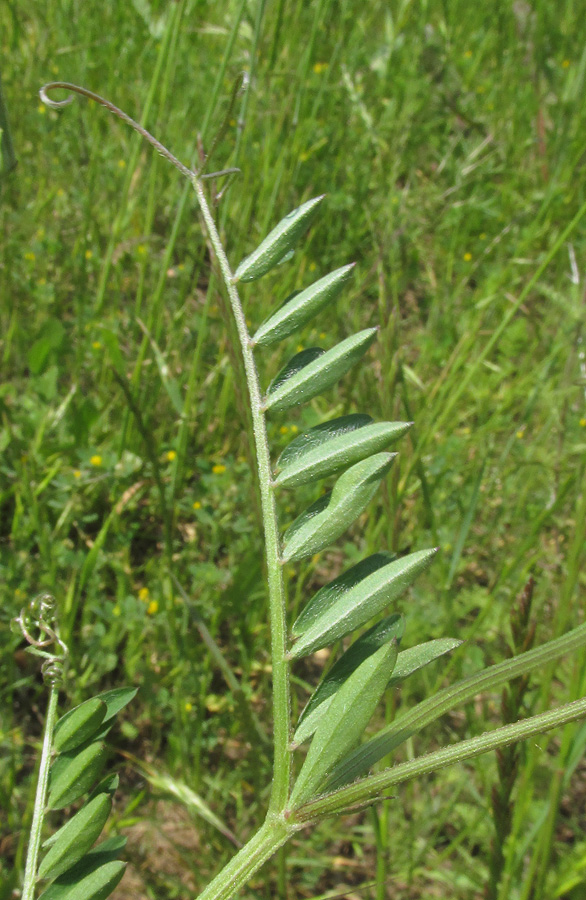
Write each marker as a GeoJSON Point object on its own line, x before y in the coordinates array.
{"type": "Point", "coordinates": [72, 761]}
{"type": "Point", "coordinates": [335, 775]}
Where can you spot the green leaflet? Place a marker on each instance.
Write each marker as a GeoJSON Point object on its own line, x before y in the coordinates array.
{"type": "Point", "coordinates": [300, 380]}
{"type": "Point", "coordinates": [95, 884]}
{"type": "Point", "coordinates": [79, 724]}
{"type": "Point", "coordinates": [408, 662]}
{"type": "Point", "coordinates": [295, 365]}
{"type": "Point", "coordinates": [116, 699]}
{"type": "Point", "coordinates": [108, 785]}
{"type": "Point", "coordinates": [329, 594]}
{"type": "Point", "coordinates": [278, 243]}
{"type": "Point", "coordinates": [390, 627]}
{"type": "Point", "coordinates": [344, 722]}
{"type": "Point", "coordinates": [335, 445]}
{"type": "Point", "coordinates": [72, 774]}
{"type": "Point", "coordinates": [328, 518]}
{"type": "Point", "coordinates": [352, 600]}
{"type": "Point", "coordinates": [76, 837]}
{"type": "Point", "coordinates": [360, 761]}
{"type": "Point", "coordinates": [300, 307]}
{"type": "Point", "coordinates": [415, 658]}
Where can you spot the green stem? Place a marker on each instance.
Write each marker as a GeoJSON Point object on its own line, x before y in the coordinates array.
{"type": "Point", "coordinates": [267, 840]}
{"type": "Point", "coordinates": [369, 789]}
{"type": "Point", "coordinates": [30, 872]}
{"type": "Point", "coordinates": [281, 689]}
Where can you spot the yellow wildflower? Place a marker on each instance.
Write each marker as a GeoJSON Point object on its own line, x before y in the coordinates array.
{"type": "Point", "coordinates": [467, 257]}
{"type": "Point", "coordinates": [96, 345]}
{"type": "Point", "coordinates": [30, 256]}
{"type": "Point", "coordinates": [196, 504]}
{"type": "Point", "coordinates": [171, 455]}
{"type": "Point", "coordinates": [116, 611]}
{"type": "Point", "coordinates": [152, 608]}
{"type": "Point", "coordinates": [583, 423]}
{"type": "Point", "coordinates": [566, 64]}
{"type": "Point", "coordinates": [283, 429]}
{"type": "Point", "coordinates": [320, 67]}
{"type": "Point", "coordinates": [121, 163]}
{"type": "Point", "coordinates": [218, 469]}
{"type": "Point", "coordinates": [188, 706]}
{"type": "Point", "coordinates": [76, 473]}
{"type": "Point", "coordinates": [143, 594]}
{"type": "Point", "coordinates": [88, 254]}
{"type": "Point", "coordinates": [96, 460]}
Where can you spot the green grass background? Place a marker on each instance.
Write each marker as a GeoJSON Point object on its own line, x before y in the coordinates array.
{"type": "Point", "coordinates": [450, 140]}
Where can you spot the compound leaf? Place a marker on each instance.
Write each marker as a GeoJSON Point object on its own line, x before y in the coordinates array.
{"type": "Point", "coordinates": [328, 518]}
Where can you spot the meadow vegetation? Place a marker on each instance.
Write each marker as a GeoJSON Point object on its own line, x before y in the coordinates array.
{"type": "Point", "coordinates": [449, 139]}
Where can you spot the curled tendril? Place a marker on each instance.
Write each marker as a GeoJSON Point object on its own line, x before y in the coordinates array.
{"type": "Point", "coordinates": [90, 95]}
{"type": "Point", "coordinates": [40, 617]}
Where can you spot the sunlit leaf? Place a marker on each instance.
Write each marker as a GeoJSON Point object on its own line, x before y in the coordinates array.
{"type": "Point", "coordinates": [352, 599]}
{"type": "Point", "coordinates": [76, 837]}
{"type": "Point", "coordinates": [72, 774]}
{"type": "Point", "coordinates": [390, 627]}
{"type": "Point", "coordinates": [300, 307]}
{"type": "Point", "coordinates": [299, 383]}
{"type": "Point", "coordinates": [326, 520]}
{"type": "Point", "coordinates": [415, 658]}
{"type": "Point", "coordinates": [335, 445]}
{"type": "Point", "coordinates": [344, 722]}
{"type": "Point", "coordinates": [279, 242]}
{"type": "Point", "coordinates": [79, 724]}
{"type": "Point", "coordinates": [96, 884]}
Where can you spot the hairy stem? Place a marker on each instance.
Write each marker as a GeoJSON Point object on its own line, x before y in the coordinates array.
{"type": "Point", "coordinates": [30, 872]}
{"type": "Point", "coordinates": [267, 840]}
{"type": "Point", "coordinates": [281, 690]}
{"type": "Point", "coordinates": [369, 789]}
